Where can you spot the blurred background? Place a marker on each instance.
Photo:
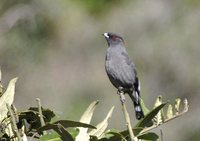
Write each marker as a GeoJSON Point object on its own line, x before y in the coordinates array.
{"type": "Point", "coordinates": [57, 51]}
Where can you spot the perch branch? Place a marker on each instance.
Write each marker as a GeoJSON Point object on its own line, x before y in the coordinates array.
{"type": "Point", "coordinates": [127, 118]}
{"type": "Point", "coordinates": [40, 113]}
{"type": "Point", "coordinates": [13, 121]}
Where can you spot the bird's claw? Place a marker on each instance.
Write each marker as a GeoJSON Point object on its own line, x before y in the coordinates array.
{"type": "Point", "coordinates": [121, 93]}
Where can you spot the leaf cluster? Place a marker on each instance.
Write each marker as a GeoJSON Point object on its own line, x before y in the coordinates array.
{"type": "Point", "coordinates": [36, 122]}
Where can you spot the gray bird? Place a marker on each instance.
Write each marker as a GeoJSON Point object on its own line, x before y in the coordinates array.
{"type": "Point", "coordinates": [121, 70]}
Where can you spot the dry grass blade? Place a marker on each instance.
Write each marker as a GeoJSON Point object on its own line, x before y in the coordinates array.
{"type": "Point", "coordinates": [101, 127]}
{"type": "Point", "coordinates": [159, 117]}
{"type": "Point", "coordinates": [86, 118]}
{"type": "Point", "coordinates": [87, 115]}
{"type": "Point", "coordinates": [169, 111]}
{"type": "Point", "coordinates": [185, 110]}
{"type": "Point", "coordinates": [177, 105]}
{"type": "Point", "coordinates": [7, 98]}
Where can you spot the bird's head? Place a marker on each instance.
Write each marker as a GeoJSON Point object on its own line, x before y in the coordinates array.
{"type": "Point", "coordinates": [113, 39]}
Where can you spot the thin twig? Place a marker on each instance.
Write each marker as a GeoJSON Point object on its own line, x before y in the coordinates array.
{"type": "Point", "coordinates": [32, 137]}
{"type": "Point", "coordinates": [13, 121]}
{"type": "Point", "coordinates": [127, 118]}
{"type": "Point", "coordinates": [15, 113]}
{"type": "Point", "coordinates": [40, 113]}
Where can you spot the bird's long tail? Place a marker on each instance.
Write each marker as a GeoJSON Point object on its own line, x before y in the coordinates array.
{"type": "Point", "coordinates": [135, 96]}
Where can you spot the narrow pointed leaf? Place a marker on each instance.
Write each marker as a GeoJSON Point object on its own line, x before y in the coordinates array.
{"type": "Point", "coordinates": [112, 136]}
{"type": "Point", "coordinates": [177, 104]}
{"type": "Point", "coordinates": [93, 138]}
{"type": "Point", "coordinates": [82, 135]}
{"type": "Point", "coordinates": [101, 127]}
{"type": "Point", "coordinates": [114, 133]}
{"type": "Point", "coordinates": [86, 118]}
{"type": "Point", "coordinates": [118, 136]}
{"type": "Point", "coordinates": [69, 123]}
{"type": "Point", "coordinates": [160, 116]}
{"type": "Point", "coordinates": [186, 105]}
{"type": "Point", "coordinates": [24, 137]}
{"type": "Point", "coordinates": [144, 108]}
{"type": "Point", "coordinates": [158, 102]}
{"type": "Point", "coordinates": [53, 136]}
{"type": "Point", "coordinates": [66, 124]}
{"type": "Point", "coordinates": [7, 98]}
{"type": "Point", "coordinates": [169, 111]}
{"type": "Point", "coordinates": [87, 115]}
{"type": "Point", "coordinates": [136, 131]}
{"type": "Point", "coordinates": [64, 134]}
{"type": "Point", "coordinates": [149, 136]}
{"type": "Point", "coordinates": [147, 120]}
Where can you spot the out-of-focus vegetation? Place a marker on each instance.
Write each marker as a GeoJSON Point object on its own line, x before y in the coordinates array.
{"type": "Point", "coordinates": [36, 122]}
{"type": "Point", "coordinates": [58, 52]}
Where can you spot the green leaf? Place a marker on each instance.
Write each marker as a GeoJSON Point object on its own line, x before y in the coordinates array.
{"type": "Point", "coordinates": [149, 136]}
{"type": "Point", "coordinates": [69, 123]}
{"type": "Point", "coordinates": [74, 132]}
{"type": "Point", "coordinates": [136, 131]}
{"type": "Point", "coordinates": [7, 98]}
{"type": "Point", "coordinates": [110, 133]}
{"type": "Point", "coordinates": [169, 111]}
{"type": "Point", "coordinates": [101, 127]}
{"type": "Point", "coordinates": [47, 113]}
{"type": "Point", "coordinates": [31, 116]}
{"type": "Point", "coordinates": [147, 120]}
{"type": "Point", "coordinates": [64, 134]}
{"type": "Point", "coordinates": [53, 136]}
{"type": "Point", "coordinates": [66, 124]}
{"type": "Point", "coordinates": [112, 136]}
{"type": "Point", "coordinates": [93, 138]}
{"type": "Point", "coordinates": [115, 135]}
{"type": "Point", "coordinates": [144, 108]}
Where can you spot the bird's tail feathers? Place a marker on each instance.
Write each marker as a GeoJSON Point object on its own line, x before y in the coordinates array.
{"type": "Point", "coordinates": [138, 111]}
{"type": "Point", "coordinates": [136, 101]}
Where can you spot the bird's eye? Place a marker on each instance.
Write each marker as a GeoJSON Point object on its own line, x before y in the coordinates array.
{"type": "Point", "coordinates": [115, 38]}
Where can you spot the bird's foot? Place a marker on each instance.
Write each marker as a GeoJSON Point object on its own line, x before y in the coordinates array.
{"type": "Point", "coordinates": [120, 90]}
{"type": "Point", "coordinates": [121, 93]}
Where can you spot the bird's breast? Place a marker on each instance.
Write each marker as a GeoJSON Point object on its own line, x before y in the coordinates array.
{"type": "Point", "coordinates": [119, 72]}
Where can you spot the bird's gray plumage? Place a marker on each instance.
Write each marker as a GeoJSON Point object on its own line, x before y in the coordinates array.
{"type": "Point", "coordinates": [121, 70]}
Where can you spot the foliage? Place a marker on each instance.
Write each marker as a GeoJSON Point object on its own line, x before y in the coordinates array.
{"type": "Point", "coordinates": [19, 125]}
{"type": "Point", "coordinates": [100, 7]}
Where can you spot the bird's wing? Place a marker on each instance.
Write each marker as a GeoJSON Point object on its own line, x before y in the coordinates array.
{"type": "Point", "coordinates": [129, 63]}
{"type": "Point", "coordinates": [132, 66]}
{"type": "Point", "coordinates": [127, 59]}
